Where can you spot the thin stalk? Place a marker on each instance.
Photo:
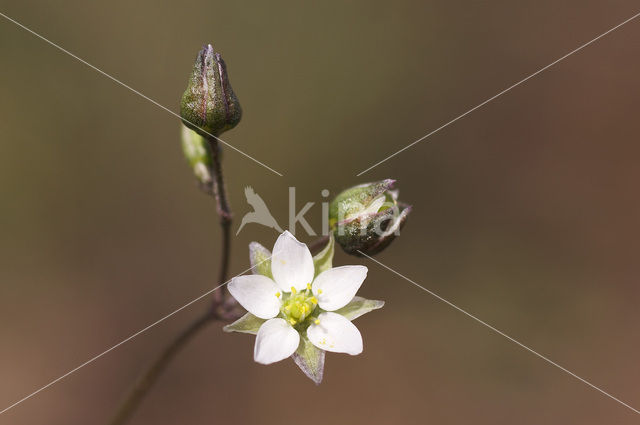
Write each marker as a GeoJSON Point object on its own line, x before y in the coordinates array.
{"type": "Point", "coordinates": [144, 383]}
{"type": "Point", "coordinates": [219, 192]}
{"type": "Point", "coordinates": [317, 245]}
{"type": "Point", "coordinates": [223, 307]}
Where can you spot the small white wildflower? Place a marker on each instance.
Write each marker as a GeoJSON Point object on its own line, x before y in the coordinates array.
{"type": "Point", "coordinates": [288, 306]}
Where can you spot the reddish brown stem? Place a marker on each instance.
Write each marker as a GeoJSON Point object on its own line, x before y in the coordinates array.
{"type": "Point", "coordinates": [146, 380]}
{"type": "Point", "coordinates": [223, 308]}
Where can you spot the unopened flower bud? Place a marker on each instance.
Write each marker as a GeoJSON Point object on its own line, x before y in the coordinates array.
{"type": "Point", "coordinates": [197, 152]}
{"type": "Point", "coordinates": [367, 218]}
{"type": "Point", "coordinates": [209, 104]}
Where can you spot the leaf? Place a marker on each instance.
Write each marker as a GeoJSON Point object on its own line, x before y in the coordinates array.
{"type": "Point", "coordinates": [310, 359]}
{"type": "Point", "coordinates": [248, 324]}
{"type": "Point", "coordinates": [324, 259]}
{"type": "Point", "coordinates": [260, 258]}
{"type": "Point", "coordinates": [359, 306]}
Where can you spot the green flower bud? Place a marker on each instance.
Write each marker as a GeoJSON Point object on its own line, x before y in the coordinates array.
{"type": "Point", "coordinates": [197, 152]}
{"type": "Point", "coordinates": [209, 102]}
{"type": "Point", "coordinates": [367, 218]}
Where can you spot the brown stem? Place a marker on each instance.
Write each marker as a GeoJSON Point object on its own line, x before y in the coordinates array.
{"type": "Point", "coordinates": [222, 205]}
{"type": "Point", "coordinates": [146, 381]}
{"type": "Point", "coordinates": [317, 245]}
{"type": "Point", "coordinates": [223, 308]}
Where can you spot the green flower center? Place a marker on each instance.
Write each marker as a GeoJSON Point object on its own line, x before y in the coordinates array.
{"type": "Point", "coordinates": [298, 306]}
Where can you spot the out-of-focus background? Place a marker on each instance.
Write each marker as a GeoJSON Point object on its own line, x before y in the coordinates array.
{"type": "Point", "coordinates": [526, 212]}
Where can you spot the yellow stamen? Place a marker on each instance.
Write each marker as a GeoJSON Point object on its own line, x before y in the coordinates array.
{"type": "Point", "coordinates": [308, 286]}
{"type": "Point", "coordinates": [278, 294]}
{"type": "Point", "coordinates": [293, 290]}
{"type": "Point", "coordinates": [314, 300]}
{"type": "Point", "coordinates": [317, 322]}
{"type": "Point", "coordinates": [319, 291]}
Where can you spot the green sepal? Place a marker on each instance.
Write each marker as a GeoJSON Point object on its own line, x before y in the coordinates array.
{"type": "Point", "coordinates": [248, 324]}
{"type": "Point", "coordinates": [359, 306]}
{"type": "Point", "coordinates": [310, 360]}
{"type": "Point", "coordinates": [324, 259]}
{"type": "Point", "coordinates": [260, 259]}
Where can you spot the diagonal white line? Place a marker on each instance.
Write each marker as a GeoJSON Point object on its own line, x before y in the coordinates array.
{"type": "Point", "coordinates": [501, 93]}
{"type": "Point", "coordinates": [134, 91]}
{"type": "Point", "coordinates": [499, 332]}
{"type": "Point", "coordinates": [91, 360]}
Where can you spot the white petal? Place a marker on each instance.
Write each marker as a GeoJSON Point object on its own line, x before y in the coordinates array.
{"type": "Point", "coordinates": [291, 263]}
{"type": "Point", "coordinates": [257, 294]}
{"type": "Point", "coordinates": [335, 287]}
{"type": "Point", "coordinates": [335, 333]}
{"type": "Point", "coordinates": [276, 340]}
{"type": "Point", "coordinates": [375, 205]}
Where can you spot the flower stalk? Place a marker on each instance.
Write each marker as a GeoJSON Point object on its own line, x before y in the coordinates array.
{"type": "Point", "coordinates": [223, 307]}
{"type": "Point", "coordinates": [218, 190]}
{"type": "Point", "coordinates": [144, 383]}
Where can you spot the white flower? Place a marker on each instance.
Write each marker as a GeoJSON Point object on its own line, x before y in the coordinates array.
{"type": "Point", "coordinates": [295, 305]}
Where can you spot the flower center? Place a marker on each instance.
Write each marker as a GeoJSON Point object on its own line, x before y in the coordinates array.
{"type": "Point", "coordinates": [299, 305]}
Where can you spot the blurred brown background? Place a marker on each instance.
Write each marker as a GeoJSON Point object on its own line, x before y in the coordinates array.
{"type": "Point", "coordinates": [526, 211]}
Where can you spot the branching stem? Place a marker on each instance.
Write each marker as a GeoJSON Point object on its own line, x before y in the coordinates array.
{"type": "Point", "coordinates": [223, 307]}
